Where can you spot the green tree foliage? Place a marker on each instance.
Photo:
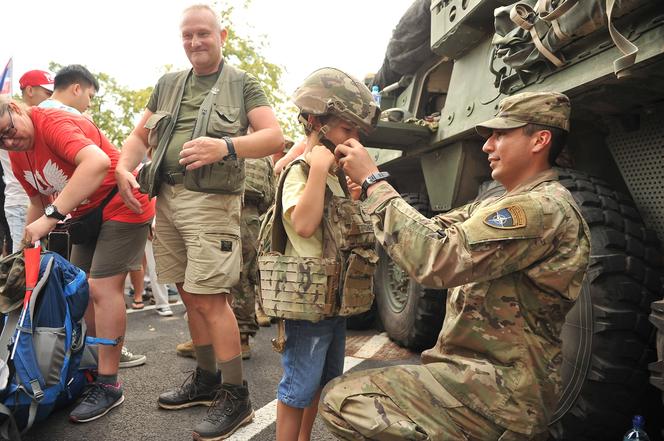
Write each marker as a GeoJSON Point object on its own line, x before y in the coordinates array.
{"type": "Point", "coordinates": [246, 52]}
{"type": "Point", "coordinates": [115, 108]}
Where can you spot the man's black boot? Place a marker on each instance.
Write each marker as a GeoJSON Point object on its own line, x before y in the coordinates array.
{"type": "Point", "coordinates": [199, 389]}
{"type": "Point", "coordinates": [231, 409]}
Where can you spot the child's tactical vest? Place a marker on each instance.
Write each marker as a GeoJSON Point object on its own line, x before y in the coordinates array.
{"type": "Point", "coordinates": [340, 283]}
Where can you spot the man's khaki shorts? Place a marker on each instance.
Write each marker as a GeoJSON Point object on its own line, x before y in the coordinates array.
{"type": "Point", "coordinates": [197, 239]}
{"type": "Point", "coordinates": [119, 249]}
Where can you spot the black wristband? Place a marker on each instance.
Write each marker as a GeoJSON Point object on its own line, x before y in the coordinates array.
{"type": "Point", "coordinates": [52, 212]}
{"type": "Point", "coordinates": [372, 179]}
{"type": "Point", "coordinates": [231, 148]}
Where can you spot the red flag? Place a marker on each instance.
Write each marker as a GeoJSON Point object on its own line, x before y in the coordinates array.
{"type": "Point", "coordinates": [6, 79]}
{"type": "Point", "coordinates": [31, 256]}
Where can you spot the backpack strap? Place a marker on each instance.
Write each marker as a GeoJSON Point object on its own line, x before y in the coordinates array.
{"type": "Point", "coordinates": [279, 238]}
{"type": "Point", "coordinates": [39, 286]}
{"type": "Point", "coordinates": [8, 333]}
{"type": "Point", "coordinates": [9, 429]}
{"type": "Point", "coordinates": [27, 367]}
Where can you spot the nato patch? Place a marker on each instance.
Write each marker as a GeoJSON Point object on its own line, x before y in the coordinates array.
{"type": "Point", "coordinates": [507, 218]}
{"type": "Point", "coordinates": [226, 245]}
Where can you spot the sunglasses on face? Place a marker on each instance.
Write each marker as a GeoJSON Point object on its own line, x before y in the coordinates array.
{"type": "Point", "coordinates": [10, 131]}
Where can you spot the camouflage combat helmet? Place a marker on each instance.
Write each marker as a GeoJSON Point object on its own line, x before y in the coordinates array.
{"type": "Point", "coordinates": [12, 282]}
{"type": "Point", "coordinates": [329, 91]}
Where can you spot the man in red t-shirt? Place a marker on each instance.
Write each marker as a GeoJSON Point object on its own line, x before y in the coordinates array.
{"type": "Point", "coordinates": [60, 155]}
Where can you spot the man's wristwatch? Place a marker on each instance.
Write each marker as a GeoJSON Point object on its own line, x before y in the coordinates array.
{"type": "Point", "coordinates": [231, 148]}
{"type": "Point", "coordinates": [370, 180]}
{"type": "Point", "coordinates": [52, 211]}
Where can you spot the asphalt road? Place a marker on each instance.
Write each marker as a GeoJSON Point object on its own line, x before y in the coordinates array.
{"type": "Point", "coordinates": [139, 418]}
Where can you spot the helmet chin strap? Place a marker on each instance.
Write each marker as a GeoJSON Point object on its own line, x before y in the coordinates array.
{"type": "Point", "coordinates": [321, 133]}
{"type": "Point", "coordinates": [322, 137]}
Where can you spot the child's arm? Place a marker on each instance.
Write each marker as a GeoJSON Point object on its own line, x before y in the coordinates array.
{"type": "Point", "coordinates": [308, 212]}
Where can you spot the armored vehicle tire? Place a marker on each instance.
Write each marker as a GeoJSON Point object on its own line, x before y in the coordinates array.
{"type": "Point", "coordinates": [411, 314]}
{"type": "Point", "coordinates": [363, 321]}
{"type": "Point", "coordinates": [607, 339]}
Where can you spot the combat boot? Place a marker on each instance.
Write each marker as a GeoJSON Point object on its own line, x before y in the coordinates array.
{"type": "Point", "coordinates": [199, 389]}
{"type": "Point", "coordinates": [186, 349]}
{"type": "Point", "coordinates": [231, 410]}
{"type": "Point", "coordinates": [244, 345]}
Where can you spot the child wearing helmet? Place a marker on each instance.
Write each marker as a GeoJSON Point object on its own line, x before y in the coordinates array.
{"type": "Point", "coordinates": [334, 108]}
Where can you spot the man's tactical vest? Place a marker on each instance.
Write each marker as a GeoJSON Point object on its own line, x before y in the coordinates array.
{"type": "Point", "coordinates": [259, 183]}
{"type": "Point", "coordinates": [310, 288]}
{"type": "Point", "coordinates": [222, 113]}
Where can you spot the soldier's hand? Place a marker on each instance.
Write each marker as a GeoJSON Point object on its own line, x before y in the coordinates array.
{"type": "Point", "coordinates": [321, 156]}
{"type": "Point", "coordinates": [126, 185]}
{"type": "Point", "coordinates": [355, 160]}
{"type": "Point", "coordinates": [202, 151]}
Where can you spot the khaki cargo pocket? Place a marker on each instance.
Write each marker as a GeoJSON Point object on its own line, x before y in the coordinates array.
{"type": "Point", "coordinates": [224, 121]}
{"type": "Point", "coordinates": [156, 126]}
{"type": "Point", "coordinates": [217, 259]}
{"type": "Point", "coordinates": [357, 293]}
{"type": "Point", "coordinates": [418, 394]}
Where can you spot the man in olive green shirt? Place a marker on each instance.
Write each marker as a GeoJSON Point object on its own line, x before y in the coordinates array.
{"type": "Point", "coordinates": [195, 129]}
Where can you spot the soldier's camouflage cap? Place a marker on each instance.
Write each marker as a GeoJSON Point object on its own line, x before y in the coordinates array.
{"type": "Point", "coordinates": [12, 282]}
{"type": "Point", "coordinates": [546, 108]}
{"type": "Point", "coordinates": [330, 91]}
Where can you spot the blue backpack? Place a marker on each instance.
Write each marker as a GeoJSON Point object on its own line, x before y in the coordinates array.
{"type": "Point", "coordinates": [40, 360]}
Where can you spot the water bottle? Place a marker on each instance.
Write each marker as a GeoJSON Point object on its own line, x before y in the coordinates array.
{"type": "Point", "coordinates": [637, 431]}
{"type": "Point", "coordinates": [375, 93]}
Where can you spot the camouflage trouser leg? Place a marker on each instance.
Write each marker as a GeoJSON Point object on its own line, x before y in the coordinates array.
{"type": "Point", "coordinates": [402, 403]}
{"type": "Point", "coordinates": [244, 293]}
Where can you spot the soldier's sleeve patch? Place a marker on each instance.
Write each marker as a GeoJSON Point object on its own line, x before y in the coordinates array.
{"type": "Point", "coordinates": [507, 218]}
{"type": "Point", "coordinates": [518, 217]}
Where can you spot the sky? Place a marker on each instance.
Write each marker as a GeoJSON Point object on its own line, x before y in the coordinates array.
{"type": "Point", "coordinates": [133, 40]}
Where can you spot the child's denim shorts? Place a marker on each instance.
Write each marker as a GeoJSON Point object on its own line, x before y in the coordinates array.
{"type": "Point", "coordinates": [313, 356]}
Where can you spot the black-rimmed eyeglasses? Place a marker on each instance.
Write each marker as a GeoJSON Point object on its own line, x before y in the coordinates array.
{"type": "Point", "coordinates": [10, 131]}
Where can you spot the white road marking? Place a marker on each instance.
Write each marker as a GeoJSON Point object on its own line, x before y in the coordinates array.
{"type": "Point", "coordinates": [267, 414]}
{"type": "Point", "coordinates": [149, 307]}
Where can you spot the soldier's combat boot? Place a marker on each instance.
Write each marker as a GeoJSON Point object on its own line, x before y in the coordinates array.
{"type": "Point", "coordinates": [186, 349]}
{"type": "Point", "coordinates": [199, 389]}
{"type": "Point", "coordinates": [231, 410]}
{"type": "Point", "coordinates": [244, 345]}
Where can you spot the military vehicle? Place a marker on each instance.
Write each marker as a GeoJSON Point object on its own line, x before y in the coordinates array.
{"type": "Point", "coordinates": [447, 67]}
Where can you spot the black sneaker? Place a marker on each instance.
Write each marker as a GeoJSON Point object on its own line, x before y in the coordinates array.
{"type": "Point", "coordinates": [97, 401]}
{"type": "Point", "coordinates": [230, 410]}
{"type": "Point", "coordinates": [198, 389]}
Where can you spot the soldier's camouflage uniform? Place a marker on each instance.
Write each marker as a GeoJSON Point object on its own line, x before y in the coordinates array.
{"type": "Point", "coordinates": [516, 263]}
{"type": "Point", "coordinates": [258, 196]}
